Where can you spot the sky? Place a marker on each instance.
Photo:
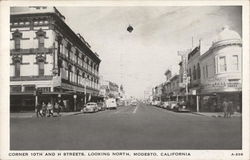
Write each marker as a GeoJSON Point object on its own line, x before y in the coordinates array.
{"type": "Point", "coordinates": [139, 59]}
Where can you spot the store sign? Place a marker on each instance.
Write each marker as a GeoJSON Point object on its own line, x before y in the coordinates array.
{"type": "Point", "coordinates": [221, 84]}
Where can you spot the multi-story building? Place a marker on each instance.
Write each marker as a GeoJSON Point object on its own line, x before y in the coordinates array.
{"type": "Point", "coordinates": [171, 85]}
{"type": "Point", "coordinates": [46, 54]}
{"type": "Point", "coordinates": [194, 73]}
{"type": "Point", "coordinates": [221, 72]}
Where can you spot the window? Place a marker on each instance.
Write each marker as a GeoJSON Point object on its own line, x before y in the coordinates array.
{"type": "Point", "coordinates": [40, 68]}
{"type": "Point", "coordinates": [40, 34]}
{"type": "Point", "coordinates": [29, 88]}
{"type": "Point", "coordinates": [17, 69]}
{"type": "Point", "coordinates": [17, 36]}
{"type": "Point", "coordinates": [194, 73]}
{"type": "Point", "coordinates": [15, 88]}
{"type": "Point", "coordinates": [198, 71]}
{"type": "Point", "coordinates": [206, 71]}
{"type": "Point", "coordinates": [235, 63]}
{"type": "Point", "coordinates": [222, 64]}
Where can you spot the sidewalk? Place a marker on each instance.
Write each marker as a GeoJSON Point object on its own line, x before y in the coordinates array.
{"type": "Point", "coordinates": [216, 114]}
{"type": "Point", "coordinates": [33, 114]}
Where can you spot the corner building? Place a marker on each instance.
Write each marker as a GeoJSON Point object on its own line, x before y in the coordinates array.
{"type": "Point", "coordinates": [46, 54]}
{"type": "Point", "coordinates": [221, 72]}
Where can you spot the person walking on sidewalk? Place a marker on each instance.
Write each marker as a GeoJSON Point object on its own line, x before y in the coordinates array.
{"type": "Point", "coordinates": [50, 109]}
{"type": "Point", "coordinates": [225, 108]}
{"type": "Point", "coordinates": [38, 110]}
{"type": "Point", "coordinates": [57, 108]}
{"type": "Point", "coordinates": [230, 109]}
{"type": "Point", "coordinates": [44, 109]}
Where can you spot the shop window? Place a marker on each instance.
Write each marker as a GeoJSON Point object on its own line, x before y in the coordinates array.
{"type": "Point", "coordinates": [17, 36]}
{"type": "Point", "coordinates": [40, 68]}
{"type": "Point", "coordinates": [222, 64]}
{"type": "Point", "coordinates": [235, 63]}
{"type": "Point", "coordinates": [29, 88]}
{"type": "Point", "coordinates": [40, 35]}
{"type": "Point", "coordinates": [15, 88]}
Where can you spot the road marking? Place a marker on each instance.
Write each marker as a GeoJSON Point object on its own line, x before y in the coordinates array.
{"type": "Point", "coordinates": [135, 110]}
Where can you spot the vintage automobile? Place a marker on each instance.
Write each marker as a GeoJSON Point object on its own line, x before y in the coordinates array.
{"type": "Point", "coordinates": [90, 107]}
{"type": "Point", "coordinates": [181, 107]}
{"type": "Point", "coordinates": [172, 105]}
{"type": "Point", "coordinates": [165, 105]}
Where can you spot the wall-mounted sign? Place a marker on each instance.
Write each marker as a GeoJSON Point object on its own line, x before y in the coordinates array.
{"type": "Point", "coordinates": [221, 84]}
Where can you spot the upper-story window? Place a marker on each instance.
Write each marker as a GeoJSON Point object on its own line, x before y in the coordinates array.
{"type": "Point", "coordinates": [40, 35]}
{"type": "Point", "coordinates": [40, 68]}
{"type": "Point", "coordinates": [194, 73]}
{"type": "Point", "coordinates": [222, 64]}
{"type": "Point", "coordinates": [235, 63]}
{"type": "Point", "coordinates": [198, 71]}
{"type": "Point", "coordinates": [17, 36]}
{"type": "Point", "coordinates": [17, 69]}
{"type": "Point", "coordinates": [69, 50]}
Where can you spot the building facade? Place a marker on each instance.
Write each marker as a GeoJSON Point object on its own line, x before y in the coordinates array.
{"type": "Point", "coordinates": [194, 73]}
{"type": "Point", "coordinates": [46, 55]}
{"type": "Point", "coordinates": [221, 72]}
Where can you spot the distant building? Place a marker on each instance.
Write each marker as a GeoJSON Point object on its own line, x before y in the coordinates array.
{"type": "Point", "coordinates": [221, 72]}
{"type": "Point", "coordinates": [109, 89]}
{"type": "Point", "coordinates": [171, 85]}
{"type": "Point", "coordinates": [46, 55]}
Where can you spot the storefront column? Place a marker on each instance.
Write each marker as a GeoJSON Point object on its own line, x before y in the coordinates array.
{"type": "Point", "coordinates": [197, 103]}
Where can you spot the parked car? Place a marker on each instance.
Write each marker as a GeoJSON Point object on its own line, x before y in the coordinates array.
{"type": "Point", "coordinates": [90, 107]}
{"type": "Point", "coordinates": [172, 105]}
{"type": "Point", "coordinates": [181, 107]}
{"type": "Point", "coordinates": [165, 105]}
{"type": "Point", "coordinates": [101, 106]}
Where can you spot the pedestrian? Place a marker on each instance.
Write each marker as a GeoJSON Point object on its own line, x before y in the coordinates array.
{"type": "Point", "coordinates": [50, 109]}
{"type": "Point", "coordinates": [38, 110]}
{"type": "Point", "coordinates": [57, 109]}
{"type": "Point", "coordinates": [44, 109]}
{"type": "Point", "coordinates": [61, 105]}
{"type": "Point", "coordinates": [230, 109]}
{"type": "Point", "coordinates": [225, 108]}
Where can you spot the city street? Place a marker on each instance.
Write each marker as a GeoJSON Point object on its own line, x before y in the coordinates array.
{"type": "Point", "coordinates": [127, 128]}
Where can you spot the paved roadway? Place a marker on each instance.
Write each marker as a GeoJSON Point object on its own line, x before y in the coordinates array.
{"type": "Point", "coordinates": [127, 128]}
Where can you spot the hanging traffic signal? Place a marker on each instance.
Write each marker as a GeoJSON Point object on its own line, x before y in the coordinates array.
{"type": "Point", "coordinates": [130, 29]}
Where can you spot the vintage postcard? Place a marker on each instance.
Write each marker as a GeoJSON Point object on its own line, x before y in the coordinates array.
{"type": "Point", "coordinates": [124, 80]}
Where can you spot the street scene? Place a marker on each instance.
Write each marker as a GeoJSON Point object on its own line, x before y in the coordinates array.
{"type": "Point", "coordinates": [126, 78]}
{"type": "Point", "coordinates": [140, 127]}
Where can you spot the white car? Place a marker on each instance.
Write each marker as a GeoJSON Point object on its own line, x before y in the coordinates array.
{"type": "Point", "coordinates": [90, 108]}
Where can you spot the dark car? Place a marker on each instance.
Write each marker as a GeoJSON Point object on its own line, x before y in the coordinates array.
{"type": "Point", "coordinates": [181, 107]}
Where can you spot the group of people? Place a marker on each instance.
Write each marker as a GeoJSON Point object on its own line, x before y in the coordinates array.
{"type": "Point", "coordinates": [47, 109]}
{"type": "Point", "coordinates": [228, 108]}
